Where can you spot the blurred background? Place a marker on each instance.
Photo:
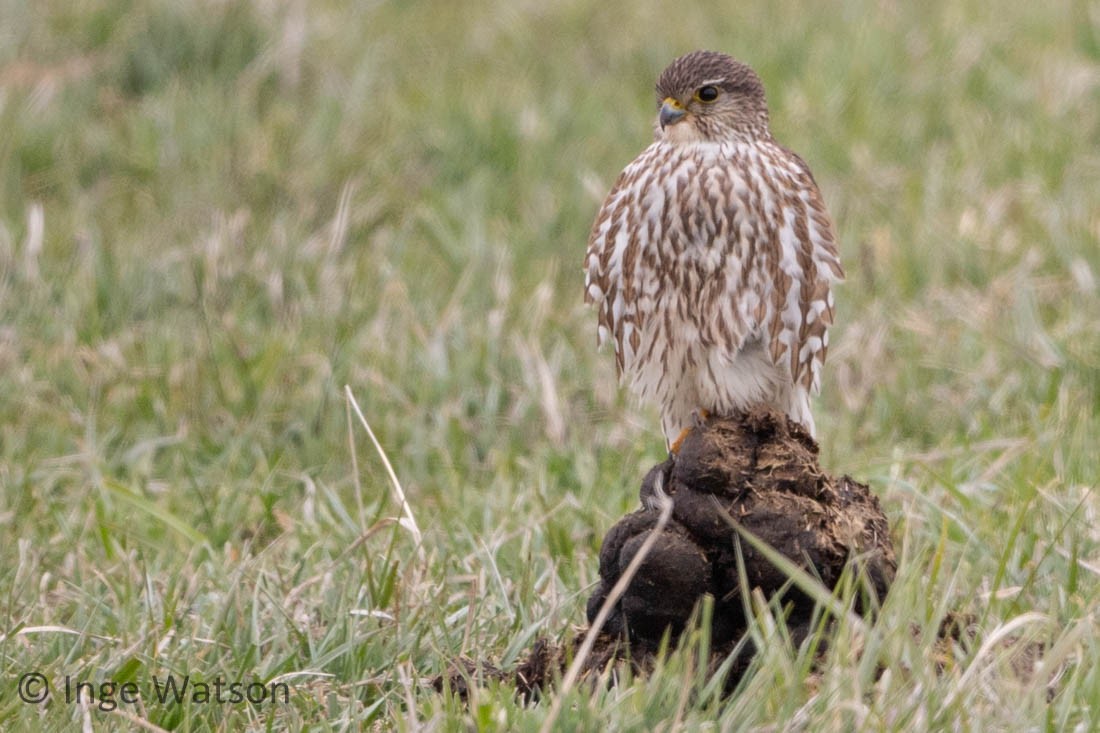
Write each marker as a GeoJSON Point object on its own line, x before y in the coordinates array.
{"type": "Point", "coordinates": [214, 215]}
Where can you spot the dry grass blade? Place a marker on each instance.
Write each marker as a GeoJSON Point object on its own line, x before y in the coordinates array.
{"type": "Point", "coordinates": [53, 629]}
{"type": "Point", "coordinates": [997, 637]}
{"type": "Point", "coordinates": [409, 521]}
{"type": "Point", "coordinates": [571, 674]}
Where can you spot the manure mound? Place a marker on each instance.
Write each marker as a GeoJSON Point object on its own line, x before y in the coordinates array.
{"type": "Point", "coordinates": [757, 471]}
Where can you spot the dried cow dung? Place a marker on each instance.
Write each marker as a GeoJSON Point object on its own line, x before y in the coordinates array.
{"type": "Point", "coordinates": [760, 470]}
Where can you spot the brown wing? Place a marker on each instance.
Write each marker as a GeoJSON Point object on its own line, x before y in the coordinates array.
{"type": "Point", "coordinates": [614, 262]}
{"type": "Point", "coordinates": [801, 264]}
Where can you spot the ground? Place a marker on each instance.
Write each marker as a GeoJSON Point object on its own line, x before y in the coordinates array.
{"type": "Point", "coordinates": [214, 217]}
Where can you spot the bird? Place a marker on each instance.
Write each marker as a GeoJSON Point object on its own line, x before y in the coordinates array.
{"type": "Point", "coordinates": [712, 259]}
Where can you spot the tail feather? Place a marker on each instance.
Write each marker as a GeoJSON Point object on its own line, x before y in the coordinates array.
{"type": "Point", "coordinates": [797, 408]}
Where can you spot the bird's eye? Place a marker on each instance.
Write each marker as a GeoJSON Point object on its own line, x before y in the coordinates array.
{"type": "Point", "coordinates": [707, 94]}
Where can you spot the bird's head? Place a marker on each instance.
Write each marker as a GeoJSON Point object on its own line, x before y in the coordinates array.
{"type": "Point", "coordinates": [708, 96]}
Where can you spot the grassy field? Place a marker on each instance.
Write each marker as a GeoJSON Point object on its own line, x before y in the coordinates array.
{"type": "Point", "coordinates": [214, 216]}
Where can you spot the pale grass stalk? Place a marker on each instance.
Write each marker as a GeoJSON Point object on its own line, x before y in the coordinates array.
{"type": "Point", "coordinates": [490, 561]}
{"type": "Point", "coordinates": [286, 676]}
{"type": "Point", "coordinates": [354, 459]}
{"type": "Point", "coordinates": [409, 521]}
{"type": "Point", "coordinates": [410, 699]}
{"type": "Point", "coordinates": [1052, 666]}
{"type": "Point", "coordinates": [571, 675]}
{"type": "Point", "coordinates": [32, 244]}
{"type": "Point", "coordinates": [999, 634]}
{"type": "Point", "coordinates": [51, 629]}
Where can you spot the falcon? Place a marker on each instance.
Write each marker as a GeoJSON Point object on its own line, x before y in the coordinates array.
{"type": "Point", "coordinates": [711, 260]}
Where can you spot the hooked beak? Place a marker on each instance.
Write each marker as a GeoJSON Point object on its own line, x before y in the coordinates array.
{"type": "Point", "coordinates": [671, 112]}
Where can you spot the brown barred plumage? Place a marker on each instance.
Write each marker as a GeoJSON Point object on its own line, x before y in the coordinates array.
{"type": "Point", "coordinates": [711, 260]}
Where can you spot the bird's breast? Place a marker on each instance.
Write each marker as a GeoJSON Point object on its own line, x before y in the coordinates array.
{"type": "Point", "coordinates": [696, 205]}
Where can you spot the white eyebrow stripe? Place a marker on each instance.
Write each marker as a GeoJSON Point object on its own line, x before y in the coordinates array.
{"type": "Point", "coordinates": [709, 82]}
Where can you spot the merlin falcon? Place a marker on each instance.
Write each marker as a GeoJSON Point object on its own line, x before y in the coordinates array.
{"type": "Point", "coordinates": [710, 262]}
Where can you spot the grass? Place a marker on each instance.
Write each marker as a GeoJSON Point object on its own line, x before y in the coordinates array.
{"type": "Point", "coordinates": [215, 216]}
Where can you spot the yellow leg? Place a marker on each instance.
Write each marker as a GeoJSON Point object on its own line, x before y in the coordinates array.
{"type": "Point", "coordinates": [698, 418]}
{"type": "Point", "coordinates": [675, 447]}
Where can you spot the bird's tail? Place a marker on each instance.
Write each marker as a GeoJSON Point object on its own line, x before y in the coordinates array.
{"type": "Point", "coordinates": [798, 408]}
